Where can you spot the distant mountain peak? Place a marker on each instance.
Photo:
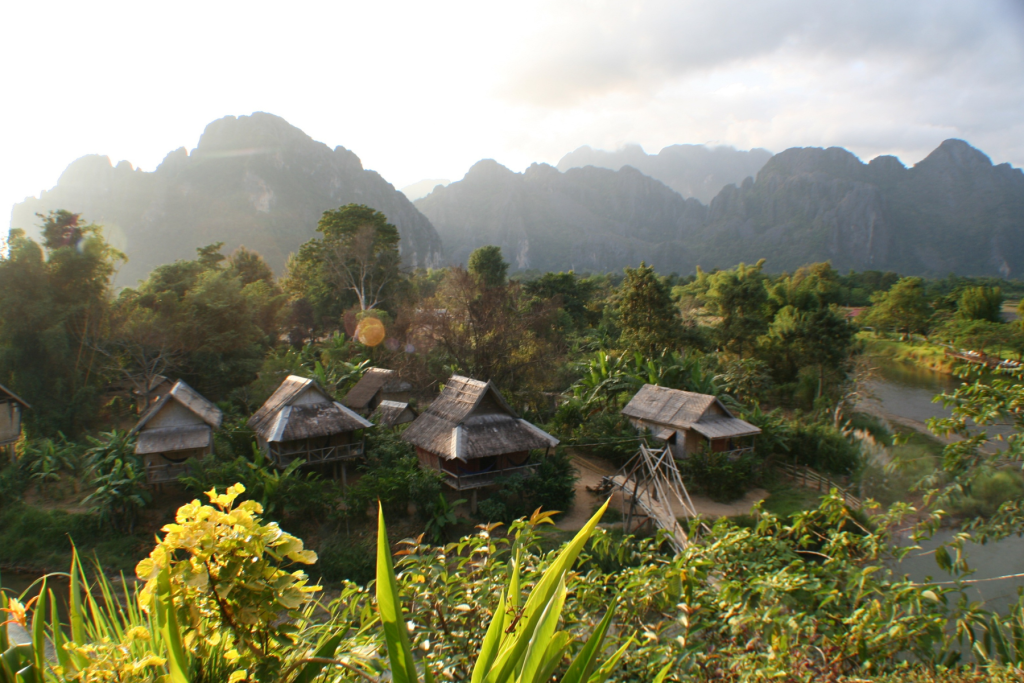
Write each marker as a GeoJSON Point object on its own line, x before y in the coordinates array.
{"type": "Point", "coordinates": [956, 152]}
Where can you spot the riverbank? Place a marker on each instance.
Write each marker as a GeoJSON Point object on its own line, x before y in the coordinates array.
{"type": "Point", "coordinates": [921, 353]}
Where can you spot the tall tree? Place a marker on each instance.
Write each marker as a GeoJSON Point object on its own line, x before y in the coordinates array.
{"type": "Point", "coordinates": [53, 297]}
{"type": "Point", "coordinates": [487, 265]}
{"type": "Point", "coordinates": [981, 303]}
{"type": "Point", "coordinates": [904, 308]}
{"type": "Point", "coordinates": [647, 316]}
{"type": "Point", "coordinates": [739, 298]}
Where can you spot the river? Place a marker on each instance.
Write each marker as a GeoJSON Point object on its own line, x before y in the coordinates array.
{"type": "Point", "coordinates": [905, 392]}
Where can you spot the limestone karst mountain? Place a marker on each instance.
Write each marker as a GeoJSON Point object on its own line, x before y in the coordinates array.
{"type": "Point", "coordinates": [585, 219]}
{"type": "Point", "coordinates": [253, 180]}
{"type": "Point", "coordinates": [697, 171]}
{"type": "Point", "coordinates": [954, 211]}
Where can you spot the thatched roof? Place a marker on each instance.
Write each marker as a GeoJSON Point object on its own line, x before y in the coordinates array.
{"type": "Point", "coordinates": [300, 409]}
{"type": "Point", "coordinates": [666, 410]}
{"type": "Point", "coordinates": [166, 439]}
{"type": "Point", "coordinates": [470, 419]}
{"type": "Point", "coordinates": [725, 427]}
{"type": "Point", "coordinates": [7, 394]}
{"type": "Point", "coordinates": [392, 413]}
{"type": "Point", "coordinates": [190, 399]}
{"type": "Point", "coordinates": [374, 380]}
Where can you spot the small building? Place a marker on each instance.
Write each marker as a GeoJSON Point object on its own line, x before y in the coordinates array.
{"type": "Point", "coordinates": [11, 406]}
{"type": "Point", "coordinates": [472, 436]}
{"type": "Point", "coordinates": [159, 386]}
{"type": "Point", "coordinates": [390, 414]}
{"type": "Point", "coordinates": [179, 426]}
{"type": "Point", "coordinates": [301, 420]}
{"type": "Point", "coordinates": [687, 421]}
{"type": "Point", "coordinates": [376, 385]}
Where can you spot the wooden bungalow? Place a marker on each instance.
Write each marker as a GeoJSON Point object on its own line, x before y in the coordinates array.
{"type": "Point", "coordinates": [392, 413]}
{"type": "Point", "coordinates": [471, 435]}
{"type": "Point", "coordinates": [376, 385]}
{"type": "Point", "coordinates": [179, 426]}
{"type": "Point", "coordinates": [11, 406]}
{"type": "Point", "coordinates": [687, 422]}
{"type": "Point", "coordinates": [301, 420]}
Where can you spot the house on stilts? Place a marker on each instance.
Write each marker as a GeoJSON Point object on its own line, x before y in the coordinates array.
{"type": "Point", "coordinates": [471, 436]}
{"type": "Point", "coordinates": [11, 406]}
{"type": "Point", "coordinates": [377, 385]}
{"type": "Point", "coordinates": [177, 427]}
{"type": "Point", "coordinates": [688, 422]}
{"type": "Point", "coordinates": [301, 420]}
{"type": "Point", "coordinates": [390, 414]}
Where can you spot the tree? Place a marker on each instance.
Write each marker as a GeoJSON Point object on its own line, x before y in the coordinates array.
{"type": "Point", "coordinates": [53, 298]}
{"type": "Point", "coordinates": [490, 333]}
{"type": "Point", "coordinates": [357, 255]}
{"type": "Point", "coordinates": [821, 338]}
{"type": "Point", "coordinates": [647, 315]}
{"type": "Point", "coordinates": [487, 265]}
{"type": "Point", "coordinates": [739, 299]}
{"type": "Point", "coordinates": [570, 293]}
{"type": "Point", "coordinates": [904, 308]}
{"type": "Point", "coordinates": [981, 303]}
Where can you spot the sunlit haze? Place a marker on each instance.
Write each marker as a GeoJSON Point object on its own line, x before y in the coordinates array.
{"type": "Point", "coordinates": [424, 90]}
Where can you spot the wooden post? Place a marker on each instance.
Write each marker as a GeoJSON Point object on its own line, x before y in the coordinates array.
{"type": "Point", "coordinates": [344, 476]}
{"type": "Point", "coordinates": [472, 501]}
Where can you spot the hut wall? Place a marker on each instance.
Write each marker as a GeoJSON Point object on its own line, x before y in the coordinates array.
{"type": "Point", "coordinates": [397, 396]}
{"type": "Point", "coordinates": [715, 409]}
{"type": "Point", "coordinates": [10, 422]}
{"type": "Point", "coordinates": [174, 415]}
{"type": "Point", "coordinates": [174, 457]}
{"type": "Point", "coordinates": [309, 396]}
{"type": "Point", "coordinates": [427, 459]}
{"type": "Point", "coordinates": [694, 442]}
{"type": "Point", "coordinates": [518, 459]}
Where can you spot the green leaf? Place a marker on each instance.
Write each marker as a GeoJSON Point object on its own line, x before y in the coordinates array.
{"type": "Point", "coordinates": [489, 648]}
{"type": "Point", "coordinates": [583, 664]}
{"type": "Point", "coordinates": [167, 623]}
{"type": "Point", "coordinates": [542, 636]}
{"type": "Point", "coordinates": [38, 635]}
{"type": "Point", "coordinates": [309, 673]}
{"type": "Point", "coordinates": [403, 667]}
{"type": "Point", "coordinates": [57, 636]}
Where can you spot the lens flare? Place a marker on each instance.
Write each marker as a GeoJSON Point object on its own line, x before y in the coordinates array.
{"type": "Point", "coordinates": [370, 331]}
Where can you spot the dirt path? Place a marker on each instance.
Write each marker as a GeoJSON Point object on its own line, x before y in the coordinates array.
{"type": "Point", "coordinates": [592, 470]}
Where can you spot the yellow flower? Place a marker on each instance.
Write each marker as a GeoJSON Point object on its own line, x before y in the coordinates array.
{"type": "Point", "coordinates": [239, 675]}
{"type": "Point", "coordinates": [18, 612]}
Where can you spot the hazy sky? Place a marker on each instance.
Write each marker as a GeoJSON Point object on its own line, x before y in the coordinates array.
{"type": "Point", "coordinates": [425, 89]}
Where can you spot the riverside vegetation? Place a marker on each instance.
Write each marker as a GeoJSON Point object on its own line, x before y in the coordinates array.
{"type": "Point", "coordinates": [808, 594]}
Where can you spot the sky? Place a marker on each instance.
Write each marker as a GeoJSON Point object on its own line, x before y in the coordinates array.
{"type": "Point", "coordinates": [424, 90]}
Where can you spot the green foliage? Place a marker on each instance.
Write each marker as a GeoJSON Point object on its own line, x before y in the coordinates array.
{"type": "Point", "coordinates": [981, 303]}
{"type": "Point", "coordinates": [392, 475]}
{"type": "Point", "coordinates": [119, 477]}
{"type": "Point", "coordinates": [739, 298]}
{"type": "Point", "coordinates": [342, 558]}
{"type": "Point", "coordinates": [52, 300]}
{"type": "Point", "coordinates": [647, 316]}
{"type": "Point", "coordinates": [719, 477]}
{"type": "Point", "coordinates": [551, 486]}
{"type": "Point", "coordinates": [488, 266]}
{"type": "Point", "coordinates": [903, 308]}
{"type": "Point", "coordinates": [441, 518]}
{"type": "Point", "coordinates": [822, 447]}
{"type": "Point", "coordinates": [569, 292]}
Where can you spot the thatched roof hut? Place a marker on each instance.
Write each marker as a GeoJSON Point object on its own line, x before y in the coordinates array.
{"type": "Point", "coordinates": [177, 427]}
{"type": "Point", "coordinates": [376, 385]}
{"type": "Point", "coordinates": [392, 414]}
{"type": "Point", "coordinates": [471, 434]}
{"type": "Point", "coordinates": [301, 420]}
{"type": "Point", "coordinates": [11, 406]}
{"type": "Point", "coordinates": [687, 420]}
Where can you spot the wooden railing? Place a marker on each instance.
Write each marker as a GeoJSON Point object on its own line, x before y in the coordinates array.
{"type": "Point", "coordinates": [808, 478]}
{"type": "Point", "coordinates": [316, 456]}
{"type": "Point", "coordinates": [464, 482]}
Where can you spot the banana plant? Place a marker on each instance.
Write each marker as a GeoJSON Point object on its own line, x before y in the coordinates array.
{"type": "Point", "coordinates": [522, 643]}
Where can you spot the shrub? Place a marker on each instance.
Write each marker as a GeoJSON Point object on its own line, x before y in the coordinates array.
{"type": "Point", "coordinates": [824, 448]}
{"type": "Point", "coordinates": [551, 486]}
{"type": "Point", "coordinates": [342, 559]}
{"type": "Point", "coordinates": [392, 475]}
{"type": "Point", "coordinates": [720, 478]}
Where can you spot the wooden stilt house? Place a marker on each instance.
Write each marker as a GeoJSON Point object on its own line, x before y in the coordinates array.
{"type": "Point", "coordinates": [301, 420]}
{"type": "Point", "coordinates": [376, 385]}
{"type": "Point", "coordinates": [689, 422]}
{"type": "Point", "coordinates": [179, 426]}
{"type": "Point", "coordinates": [10, 416]}
{"type": "Point", "coordinates": [391, 414]}
{"type": "Point", "coordinates": [472, 436]}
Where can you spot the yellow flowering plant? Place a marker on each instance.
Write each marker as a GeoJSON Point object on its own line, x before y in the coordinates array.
{"type": "Point", "coordinates": [223, 571]}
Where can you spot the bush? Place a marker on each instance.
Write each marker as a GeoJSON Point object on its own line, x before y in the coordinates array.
{"type": "Point", "coordinates": [823, 448]}
{"type": "Point", "coordinates": [721, 479]}
{"type": "Point", "coordinates": [392, 475]}
{"type": "Point", "coordinates": [341, 559]}
{"type": "Point", "coordinates": [551, 486]}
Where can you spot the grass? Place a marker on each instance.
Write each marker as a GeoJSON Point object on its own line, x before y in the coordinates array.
{"type": "Point", "coordinates": [925, 354]}
{"type": "Point", "coordinates": [33, 538]}
{"type": "Point", "coordinates": [785, 500]}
